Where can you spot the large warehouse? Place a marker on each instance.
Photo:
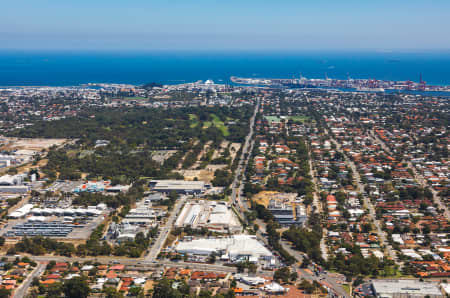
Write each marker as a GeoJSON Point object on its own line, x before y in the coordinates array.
{"type": "Point", "coordinates": [179, 186]}
{"type": "Point", "coordinates": [405, 288]}
{"type": "Point", "coordinates": [234, 248]}
{"type": "Point", "coordinates": [215, 216]}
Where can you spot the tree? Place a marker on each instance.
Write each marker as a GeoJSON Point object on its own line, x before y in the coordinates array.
{"type": "Point", "coordinates": [35, 282]}
{"type": "Point", "coordinates": [282, 274]}
{"type": "Point", "coordinates": [306, 286]}
{"type": "Point", "coordinates": [111, 292]}
{"type": "Point", "coordinates": [305, 263]}
{"type": "Point", "coordinates": [54, 290]}
{"type": "Point", "coordinates": [76, 287]}
{"type": "Point", "coordinates": [366, 228]}
{"type": "Point", "coordinates": [204, 294]}
{"type": "Point", "coordinates": [252, 268]}
{"type": "Point", "coordinates": [212, 258]}
{"type": "Point", "coordinates": [4, 293]}
{"type": "Point", "coordinates": [308, 199]}
{"type": "Point", "coordinates": [51, 264]}
{"type": "Point", "coordinates": [163, 289]}
{"type": "Point", "coordinates": [136, 291]}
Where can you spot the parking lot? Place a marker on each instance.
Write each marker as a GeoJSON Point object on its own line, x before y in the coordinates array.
{"type": "Point", "coordinates": [64, 186]}
{"type": "Point", "coordinates": [80, 229]}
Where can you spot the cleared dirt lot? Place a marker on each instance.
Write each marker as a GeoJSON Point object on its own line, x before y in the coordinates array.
{"type": "Point", "coordinates": [31, 144]}
{"type": "Point", "coordinates": [264, 197]}
{"type": "Point", "coordinates": [202, 175]}
{"type": "Point", "coordinates": [161, 155]}
{"type": "Point", "coordinates": [206, 175]}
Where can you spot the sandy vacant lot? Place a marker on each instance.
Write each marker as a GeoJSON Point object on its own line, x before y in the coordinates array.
{"type": "Point", "coordinates": [264, 197]}
{"type": "Point", "coordinates": [202, 175]}
{"type": "Point", "coordinates": [31, 144]}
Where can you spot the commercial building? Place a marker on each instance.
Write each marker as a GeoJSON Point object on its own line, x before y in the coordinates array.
{"type": "Point", "coordinates": [405, 288]}
{"type": "Point", "coordinates": [179, 186]}
{"type": "Point", "coordinates": [286, 215]}
{"type": "Point", "coordinates": [215, 216]}
{"type": "Point", "coordinates": [142, 215]}
{"type": "Point", "coordinates": [235, 248]}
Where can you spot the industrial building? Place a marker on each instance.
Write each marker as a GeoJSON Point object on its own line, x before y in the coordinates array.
{"type": "Point", "coordinates": [123, 232]}
{"type": "Point", "coordinates": [235, 248]}
{"type": "Point", "coordinates": [142, 215]}
{"type": "Point", "coordinates": [215, 216]}
{"type": "Point", "coordinates": [13, 184]}
{"type": "Point", "coordinates": [154, 198]}
{"type": "Point", "coordinates": [139, 219]}
{"type": "Point", "coordinates": [179, 186]}
{"type": "Point", "coordinates": [405, 288]}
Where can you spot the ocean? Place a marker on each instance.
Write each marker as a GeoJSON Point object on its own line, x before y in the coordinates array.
{"type": "Point", "coordinates": [53, 68]}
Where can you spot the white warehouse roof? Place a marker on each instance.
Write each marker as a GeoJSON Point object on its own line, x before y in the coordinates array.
{"type": "Point", "coordinates": [234, 246]}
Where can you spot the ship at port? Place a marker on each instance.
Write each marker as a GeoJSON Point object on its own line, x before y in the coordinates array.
{"type": "Point", "coordinates": [361, 85]}
{"type": "Point", "coordinates": [286, 83]}
{"type": "Point", "coordinates": [368, 89]}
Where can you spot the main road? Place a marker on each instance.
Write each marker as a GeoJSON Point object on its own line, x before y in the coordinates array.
{"type": "Point", "coordinates": [236, 186]}
{"type": "Point", "coordinates": [138, 263]}
{"type": "Point", "coordinates": [164, 233]}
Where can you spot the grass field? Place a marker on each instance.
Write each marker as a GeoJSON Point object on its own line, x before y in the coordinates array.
{"type": "Point", "coordinates": [299, 118]}
{"type": "Point", "coordinates": [217, 123]}
{"type": "Point", "coordinates": [194, 120]}
{"type": "Point", "coordinates": [205, 124]}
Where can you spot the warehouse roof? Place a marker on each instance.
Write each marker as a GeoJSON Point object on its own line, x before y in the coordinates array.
{"type": "Point", "coordinates": [177, 184]}
{"type": "Point", "coordinates": [236, 245]}
{"type": "Point", "coordinates": [388, 288]}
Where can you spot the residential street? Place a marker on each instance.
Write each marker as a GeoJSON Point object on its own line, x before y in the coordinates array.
{"type": "Point", "coordinates": [22, 290]}
{"type": "Point", "coordinates": [419, 178]}
{"type": "Point", "coordinates": [368, 205]}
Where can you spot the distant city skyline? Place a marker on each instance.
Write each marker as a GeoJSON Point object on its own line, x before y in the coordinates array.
{"type": "Point", "coordinates": [225, 25]}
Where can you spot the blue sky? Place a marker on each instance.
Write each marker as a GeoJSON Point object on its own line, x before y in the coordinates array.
{"type": "Point", "coordinates": [225, 24]}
